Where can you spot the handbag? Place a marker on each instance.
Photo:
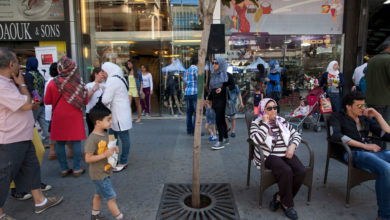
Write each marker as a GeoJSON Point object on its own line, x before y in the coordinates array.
{"type": "Point", "coordinates": [326, 106]}
{"type": "Point", "coordinates": [230, 108]}
{"type": "Point", "coordinates": [54, 107]}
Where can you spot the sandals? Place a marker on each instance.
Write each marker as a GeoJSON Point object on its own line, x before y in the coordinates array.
{"type": "Point", "coordinates": [66, 172]}
{"type": "Point", "coordinates": [118, 169]}
{"type": "Point", "coordinates": [79, 173]}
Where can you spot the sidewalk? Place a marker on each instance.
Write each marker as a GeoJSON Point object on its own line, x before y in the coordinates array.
{"type": "Point", "coordinates": [161, 152]}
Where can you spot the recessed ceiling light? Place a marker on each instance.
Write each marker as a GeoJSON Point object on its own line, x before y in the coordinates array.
{"type": "Point", "coordinates": [386, 2]}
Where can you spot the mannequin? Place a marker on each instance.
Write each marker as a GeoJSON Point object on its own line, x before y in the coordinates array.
{"type": "Point", "coordinates": [171, 86]}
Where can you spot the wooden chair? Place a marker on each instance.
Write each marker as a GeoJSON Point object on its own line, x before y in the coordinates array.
{"type": "Point", "coordinates": [336, 151]}
{"type": "Point", "coordinates": [267, 179]}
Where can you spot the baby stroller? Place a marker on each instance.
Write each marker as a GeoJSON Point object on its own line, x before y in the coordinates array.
{"type": "Point", "coordinates": [314, 115]}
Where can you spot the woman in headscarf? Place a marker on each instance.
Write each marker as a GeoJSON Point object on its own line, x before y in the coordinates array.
{"type": "Point", "coordinates": [219, 82]}
{"type": "Point", "coordinates": [278, 141]}
{"type": "Point", "coordinates": [67, 95]}
{"type": "Point", "coordinates": [332, 81]}
{"type": "Point", "coordinates": [115, 97]}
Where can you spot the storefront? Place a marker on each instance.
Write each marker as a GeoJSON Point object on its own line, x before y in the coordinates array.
{"type": "Point", "coordinates": [25, 28]}
{"type": "Point", "coordinates": [304, 36]}
{"type": "Point", "coordinates": [151, 32]}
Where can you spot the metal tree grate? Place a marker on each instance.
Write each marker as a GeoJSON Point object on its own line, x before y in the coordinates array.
{"type": "Point", "coordinates": [222, 206]}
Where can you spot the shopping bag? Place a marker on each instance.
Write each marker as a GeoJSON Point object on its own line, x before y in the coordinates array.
{"type": "Point", "coordinates": [326, 106]}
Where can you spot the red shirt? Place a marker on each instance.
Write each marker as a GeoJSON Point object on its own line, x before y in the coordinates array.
{"type": "Point", "coordinates": [67, 122]}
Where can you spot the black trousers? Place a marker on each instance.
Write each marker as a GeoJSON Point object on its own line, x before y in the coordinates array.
{"type": "Point", "coordinates": [289, 173]}
{"type": "Point", "coordinates": [220, 122]}
{"type": "Point", "coordinates": [18, 162]}
{"type": "Point", "coordinates": [89, 123]}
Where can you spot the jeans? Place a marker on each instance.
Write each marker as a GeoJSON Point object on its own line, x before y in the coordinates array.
{"type": "Point", "coordinates": [191, 112]}
{"type": "Point", "coordinates": [379, 164]}
{"type": "Point", "coordinates": [104, 188]}
{"type": "Point", "coordinates": [335, 100]}
{"type": "Point", "coordinates": [39, 116]}
{"type": "Point", "coordinates": [124, 136]}
{"type": "Point", "coordinates": [61, 155]}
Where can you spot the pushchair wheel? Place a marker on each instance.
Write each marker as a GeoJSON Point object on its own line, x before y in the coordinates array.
{"type": "Point", "coordinates": [317, 128]}
{"type": "Point", "coordinates": [306, 126]}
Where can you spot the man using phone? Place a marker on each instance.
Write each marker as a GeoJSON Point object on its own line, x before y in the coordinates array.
{"type": "Point", "coordinates": [352, 127]}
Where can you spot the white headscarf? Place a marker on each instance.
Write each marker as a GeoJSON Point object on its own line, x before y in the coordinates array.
{"type": "Point", "coordinates": [330, 68]}
{"type": "Point", "coordinates": [112, 69]}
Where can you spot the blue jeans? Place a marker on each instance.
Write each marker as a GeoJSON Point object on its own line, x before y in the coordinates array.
{"type": "Point", "coordinates": [61, 155]}
{"type": "Point", "coordinates": [124, 136]}
{"type": "Point", "coordinates": [191, 112]}
{"type": "Point", "coordinates": [104, 188]}
{"type": "Point", "coordinates": [335, 100]}
{"type": "Point", "coordinates": [39, 116]}
{"type": "Point", "coordinates": [379, 164]}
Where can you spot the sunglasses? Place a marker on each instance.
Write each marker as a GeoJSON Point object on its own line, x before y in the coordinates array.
{"type": "Point", "coordinates": [215, 63]}
{"type": "Point", "coordinates": [361, 106]}
{"type": "Point", "coordinates": [272, 107]}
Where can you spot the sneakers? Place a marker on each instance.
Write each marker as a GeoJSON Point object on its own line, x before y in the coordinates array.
{"type": "Point", "coordinates": [233, 135]}
{"type": "Point", "coordinates": [45, 187]}
{"type": "Point", "coordinates": [143, 113]}
{"type": "Point", "coordinates": [218, 146]}
{"type": "Point", "coordinates": [225, 141]}
{"type": "Point", "coordinates": [97, 217]}
{"type": "Point", "coordinates": [147, 115]}
{"type": "Point", "coordinates": [7, 217]}
{"type": "Point", "coordinates": [213, 138]}
{"type": "Point", "coordinates": [51, 201]}
{"type": "Point", "coordinates": [20, 195]}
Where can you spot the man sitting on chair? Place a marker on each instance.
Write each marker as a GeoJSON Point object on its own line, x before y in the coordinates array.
{"type": "Point", "coordinates": [353, 127]}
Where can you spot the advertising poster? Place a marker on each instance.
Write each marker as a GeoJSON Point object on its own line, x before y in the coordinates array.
{"type": "Point", "coordinates": [279, 17]}
{"type": "Point", "coordinates": [31, 10]}
{"type": "Point", "coordinates": [46, 56]}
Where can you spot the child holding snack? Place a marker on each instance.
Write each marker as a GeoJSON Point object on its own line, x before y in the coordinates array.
{"type": "Point", "coordinates": [210, 121]}
{"type": "Point", "coordinates": [97, 153]}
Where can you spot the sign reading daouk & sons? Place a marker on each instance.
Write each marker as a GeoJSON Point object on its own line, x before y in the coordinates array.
{"type": "Point", "coordinates": [33, 31]}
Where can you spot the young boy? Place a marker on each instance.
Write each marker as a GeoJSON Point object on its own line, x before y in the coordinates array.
{"type": "Point", "coordinates": [257, 97]}
{"type": "Point", "coordinates": [96, 154]}
{"type": "Point", "coordinates": [210, 121]}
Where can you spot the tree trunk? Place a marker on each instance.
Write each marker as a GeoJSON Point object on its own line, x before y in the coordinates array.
{"type": "Point", "coordinates": [206, 15]}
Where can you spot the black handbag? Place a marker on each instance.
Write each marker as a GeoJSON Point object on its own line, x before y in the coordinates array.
{"type": "Point", "coordinates": [230, 108]}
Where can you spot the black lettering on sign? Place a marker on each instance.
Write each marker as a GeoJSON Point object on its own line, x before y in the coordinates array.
{"type": "Point", "coordinates": [22, 31]}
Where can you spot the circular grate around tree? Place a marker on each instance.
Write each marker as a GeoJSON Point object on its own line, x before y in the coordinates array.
{"type": "Point", "coordinates": [217, 198]}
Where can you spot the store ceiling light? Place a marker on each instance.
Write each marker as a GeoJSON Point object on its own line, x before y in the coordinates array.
{"type": "Point", "coordinates": [115, 42]}
{"type": "Point", "coordinates": [386, 2]}
{"type": "Point", "coordinates": [186, 41]}
{"type": "Point", "coordinates": [305, 44]}
{"type": "Point", "coordinates": [173, 55]}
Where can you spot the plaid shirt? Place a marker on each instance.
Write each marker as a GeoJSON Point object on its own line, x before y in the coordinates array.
{"type": "Point", "coordinates": [191, 80]}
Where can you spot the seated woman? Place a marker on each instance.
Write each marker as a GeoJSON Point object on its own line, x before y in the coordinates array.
{"type": "Point", "coordinates": [278, 140]}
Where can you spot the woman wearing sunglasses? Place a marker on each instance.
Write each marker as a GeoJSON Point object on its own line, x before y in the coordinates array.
{"type": "Point", "coordinates": [278, 141]}
{"type": "Point", "coordinates": [219, 81]}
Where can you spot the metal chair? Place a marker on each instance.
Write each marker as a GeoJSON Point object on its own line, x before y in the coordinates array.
{"type": "Point", "coordinates": [267, 179]}
{"type": "Point", "coordinates": [336, 151]}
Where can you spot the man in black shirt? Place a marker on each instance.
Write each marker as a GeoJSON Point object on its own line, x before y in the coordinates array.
{"type": "Point", "coordinates": [352, 127]}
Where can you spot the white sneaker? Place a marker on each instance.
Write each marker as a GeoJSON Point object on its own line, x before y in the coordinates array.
{"type": "Point", "coordinates": [147, 115]}
{"type": "Point", "coordinates": [143, 113]}
{"type": "Point", "coordinates": [218, 146]}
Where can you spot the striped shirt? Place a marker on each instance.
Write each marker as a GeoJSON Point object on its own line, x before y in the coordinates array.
{"type": "Point", "coordinates": [191, 80]}
{"type": "Point", "coordinates": [259, 132]}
